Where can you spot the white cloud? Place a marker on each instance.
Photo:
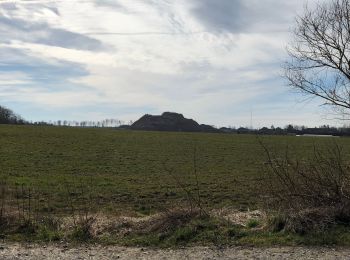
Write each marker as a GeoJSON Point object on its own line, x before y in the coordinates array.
{"type": "Point", "coordinates": [51, 54]}
{"type": "Point", "coordinates": [8, 80]}
{"type": "Point", "coordinates": [162, 55]}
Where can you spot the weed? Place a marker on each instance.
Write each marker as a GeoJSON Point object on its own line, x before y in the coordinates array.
{"type": "Point", "coordinates": [253, 223]}
{"type": "Point", "coordinates": [82, 231]}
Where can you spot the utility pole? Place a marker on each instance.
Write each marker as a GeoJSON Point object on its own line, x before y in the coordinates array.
{"type": "Point", "coordinates": [251, 118]}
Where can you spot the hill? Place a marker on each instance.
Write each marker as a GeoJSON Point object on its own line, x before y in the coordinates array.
{"type": "Point", "coordinates": [172, 122]}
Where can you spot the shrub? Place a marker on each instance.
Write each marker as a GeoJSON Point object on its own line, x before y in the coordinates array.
{"type": "Point", "coordinates": [308, 195]}
{"type": "Point", "coordinates": [171, 220]}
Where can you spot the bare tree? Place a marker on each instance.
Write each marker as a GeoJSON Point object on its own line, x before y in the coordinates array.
{"type": "Point", "coordinates": [320, 54]}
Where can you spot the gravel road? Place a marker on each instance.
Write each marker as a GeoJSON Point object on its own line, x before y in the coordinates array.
{"type": "Point", "coordinates": [36, 252]}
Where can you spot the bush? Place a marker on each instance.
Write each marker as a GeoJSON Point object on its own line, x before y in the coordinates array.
{"type": "Point", "coordinates": [308, 195]}
{"type": "Point", "coordinates": [83, 230]}
{"type": "Point", "coordinates": [171, 220]}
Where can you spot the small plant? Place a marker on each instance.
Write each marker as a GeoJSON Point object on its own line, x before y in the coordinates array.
{"type": "Point", "coordinates": [193, 196]}
{"type": "Point", "coordinates": [83, 219]}
{"type": "Point", "coordinates": [185, 235]}
{"type": "Point", "coordinates": [27, 227]}
{"type": "Point", "coordinates": [82, 231]}
{"type": "Point", "coordinates": [253, 223]}
{"type": "Point", "coordinates": [47, 234]}
{"type": "Point", "coordinates": [5, 219]}
{"type": "Point", "coordinates": [276, 222]}
{"type": "Point", "coordinates": [236, 232]}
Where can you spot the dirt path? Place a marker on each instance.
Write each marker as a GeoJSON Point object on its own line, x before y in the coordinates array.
{"type": "Point", "coordinates": [16, 251]}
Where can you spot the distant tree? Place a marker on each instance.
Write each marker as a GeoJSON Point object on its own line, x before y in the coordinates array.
{"type": "Point", "coordinates": [279, 131]}
{"type": "Point", "coordinates": [320, 54]}
{"type": "Point", "coordinates": [7, 116]}
{"type": "Point", "coordinates": [265, 131]}
{"type": "Point", "coordinates": [290, 129]}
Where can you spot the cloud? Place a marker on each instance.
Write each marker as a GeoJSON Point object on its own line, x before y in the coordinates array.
{"type": "Point", "coordinates": [54, 54]}
{"type": "Point", "coordinates": [244, 16]}
{"type": "Point", "coordinates": [108, 4]}
{"type": "Point", "coordinates": [42, 33]}
{"type": "Point", "coordinates": [31, 82]}
{"type": "Point", "coordinates": [45, 72]}
{"type": "Point", "coordinates": [11, 79]}
{"type": "Point", "coordinates": [227, 15]}
{"type": "Point", "coordinates": [209, 59]}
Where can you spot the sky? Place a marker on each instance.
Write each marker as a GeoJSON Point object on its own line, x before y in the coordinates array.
{"type": "Point", "coordinates": [216, 61]}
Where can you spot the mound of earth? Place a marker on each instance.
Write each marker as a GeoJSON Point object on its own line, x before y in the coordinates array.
{"type": "Point", "coordinates": [170, 121]}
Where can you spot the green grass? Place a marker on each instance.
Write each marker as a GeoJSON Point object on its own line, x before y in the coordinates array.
{"type": "Point", "coordinates": [253, 223]}
{"type": "Point", "coordinates": [49, 170]}
{"type": "Point", "coordinates": [117, 170]}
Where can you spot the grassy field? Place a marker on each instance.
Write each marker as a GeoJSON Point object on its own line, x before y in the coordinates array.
{"type": "Point", "coordinates": [139, 172]}
{"type": "Point", "coordinates": [54, 180]}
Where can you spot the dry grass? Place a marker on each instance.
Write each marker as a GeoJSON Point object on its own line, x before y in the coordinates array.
{"type": "Point", "coordinates": [170, 220]}
{"type": "Point", "coordinates": [241, 218]}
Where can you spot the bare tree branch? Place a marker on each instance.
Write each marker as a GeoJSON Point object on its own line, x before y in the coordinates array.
{"type": "Point", "coordinates": [319, 62]}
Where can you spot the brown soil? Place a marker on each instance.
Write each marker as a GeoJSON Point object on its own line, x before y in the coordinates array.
{"type": "Point", "coordinates": [36, 252]}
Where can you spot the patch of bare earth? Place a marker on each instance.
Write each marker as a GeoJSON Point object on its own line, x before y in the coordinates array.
{"type": "Point", "coordinates": [239, 217]}
{"type": "Point", "coordinates": [36, 252]}
{"type": "Point", "coordinates": [163, 221]}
